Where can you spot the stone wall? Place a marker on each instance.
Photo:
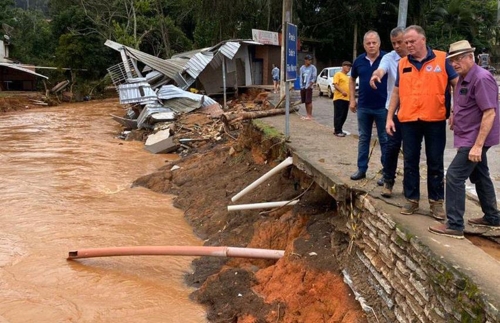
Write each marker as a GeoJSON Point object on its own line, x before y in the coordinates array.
{"type": "Point", "coordinates": [408, 282]}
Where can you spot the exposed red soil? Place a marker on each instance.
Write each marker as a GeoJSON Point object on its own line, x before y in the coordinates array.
{"type": "Point", "coordinates": [14, 101]}
{"type": "Point", "coordinates": [306, 284]}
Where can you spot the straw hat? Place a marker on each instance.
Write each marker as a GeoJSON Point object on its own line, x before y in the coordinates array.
{"type": "Point", "coordinates": [460, 47]}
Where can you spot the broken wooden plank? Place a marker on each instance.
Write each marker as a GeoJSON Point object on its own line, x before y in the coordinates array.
{"type": "Point", "coordinates": [38, 102]}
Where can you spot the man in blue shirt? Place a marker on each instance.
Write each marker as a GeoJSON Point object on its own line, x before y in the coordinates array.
{"type": "Point", "coordinates": [370, 106]}
{"type": "Point", "coordinates": [276, 78]}
{"type": "Point", "coordinates": [308, 74]}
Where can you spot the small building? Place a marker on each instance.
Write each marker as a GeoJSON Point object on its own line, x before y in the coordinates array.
{"type": "Point", "coordinates": [14, 76]}
{"type": "Point", "coordinates": [265, 56]}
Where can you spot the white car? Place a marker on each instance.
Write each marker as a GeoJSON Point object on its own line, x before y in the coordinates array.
{"type": "Point", "coordinates": [325, 80]}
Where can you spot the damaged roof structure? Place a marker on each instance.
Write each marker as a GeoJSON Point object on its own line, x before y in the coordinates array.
{"type": "Point", "coordinates": [160, 90]}
{"type": "Point", "coordinates": [182, 70]}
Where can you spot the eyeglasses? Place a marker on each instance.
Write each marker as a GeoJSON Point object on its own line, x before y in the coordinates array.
{"type": "Point", "coordinates": [458, 58]}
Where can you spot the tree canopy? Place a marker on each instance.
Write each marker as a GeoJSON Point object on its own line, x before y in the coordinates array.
{"type": "Point", "coordinates": [71, 33]}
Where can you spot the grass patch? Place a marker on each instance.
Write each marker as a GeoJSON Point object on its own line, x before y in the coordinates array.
{"type": "Point", "coordinates": [269, 132]}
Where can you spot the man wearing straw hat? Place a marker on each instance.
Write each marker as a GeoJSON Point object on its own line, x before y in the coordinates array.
{"type": "Point", "coordinates": [476, 127]}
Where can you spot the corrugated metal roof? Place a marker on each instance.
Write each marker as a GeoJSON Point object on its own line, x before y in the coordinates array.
{"type": "Point", "coordinates": [191, 53]}
{"type": "Point", "coordinates": [139, 92]}
{"type": "Point", "coordinates": [20, 68]}
{"type": "Point", "coordinates": [182, 105]}
{"type": "Point", "coordinates": [198, 62]}
{"type": "Point", "coordinates": [191, 63]}
{"type": "Point", "coordinates": [149, 109]}
{"type": "Point", "coordinates": [185, 67]}
{"type": "Point", "coordinates": [182, 101]}
{"type": "Point", "coordinates": [228, 49]}
{"type": "Point", "coordinates": [168, 92]}
{"type": "Point", "coordinates": [170, 68]}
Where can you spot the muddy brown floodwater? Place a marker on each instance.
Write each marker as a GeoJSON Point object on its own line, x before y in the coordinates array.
{"type": "Point", "coordinates": [66, 184]}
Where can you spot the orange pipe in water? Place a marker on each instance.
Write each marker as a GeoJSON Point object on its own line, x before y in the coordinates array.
{"type": "Point", "coordinates": [178, 251]}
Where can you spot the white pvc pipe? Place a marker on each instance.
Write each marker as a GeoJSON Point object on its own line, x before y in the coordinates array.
{"type": "Point", "coordinates": [266, 205]}
{"type": "Point", "coordinates": [177, 250]}
{"type": "Point", "coordinates": [283, 164]}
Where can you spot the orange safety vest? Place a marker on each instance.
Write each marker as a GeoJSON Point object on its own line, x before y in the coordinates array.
{"type": "Point", "coordinates": [422, 92]}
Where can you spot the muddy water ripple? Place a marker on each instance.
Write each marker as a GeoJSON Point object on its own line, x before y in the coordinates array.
{"type": "Point", "coordinates": [65, 184]}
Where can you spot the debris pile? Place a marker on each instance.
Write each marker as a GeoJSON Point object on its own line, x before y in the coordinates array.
{"type": "Point", "coordinates": [184, 122]}
{"type": "Point", "coordinates": [171, 103]}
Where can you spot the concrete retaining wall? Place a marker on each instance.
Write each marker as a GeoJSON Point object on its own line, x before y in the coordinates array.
{"type": "Point", "coordinates": [411, 283]}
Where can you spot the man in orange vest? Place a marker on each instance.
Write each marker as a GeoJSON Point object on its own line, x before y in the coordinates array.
{"type": "Point", "coordinates": [421, 83]}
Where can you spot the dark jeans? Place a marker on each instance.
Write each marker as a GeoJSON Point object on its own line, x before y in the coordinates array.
{"type": "Point", "coordinates": [392, 152]}
{"type": "Point", "coordinates": [459, 170]}
{"type": "Point", "coordinates": [340, 110]}
{"type": "Point", "coordinates": [366, 117]}
{"type": "Point", "coordinates": [434, 134]}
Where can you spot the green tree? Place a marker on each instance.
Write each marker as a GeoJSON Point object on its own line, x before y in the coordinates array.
{"type": "Point", "coordinates": [6, 9]}
{"type": "Point", "coordinates": [449, 23]}
{"type": "Point", "coordinates": [31, 37]}
{"type": "Point", "coordinates": [234, 19]}
{"type": "Point", "coordinates": [452, 20]}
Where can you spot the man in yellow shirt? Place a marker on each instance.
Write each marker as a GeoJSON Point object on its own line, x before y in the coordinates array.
{"type": "Point", "coordinates": [341, 99]}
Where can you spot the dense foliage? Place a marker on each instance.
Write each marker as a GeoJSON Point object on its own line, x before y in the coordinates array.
{"type": "Point", "coordinates": [71, 33]}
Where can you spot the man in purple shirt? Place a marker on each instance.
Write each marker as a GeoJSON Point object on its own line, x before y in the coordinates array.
{"type": "Point", "coordinates": [476, 125]}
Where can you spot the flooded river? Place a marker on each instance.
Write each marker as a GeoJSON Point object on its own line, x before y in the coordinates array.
{"type": "Point", "coordinates": [65, 184]}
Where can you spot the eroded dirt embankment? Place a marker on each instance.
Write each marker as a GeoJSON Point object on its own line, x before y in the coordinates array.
{"type": "Point", "coordinates": [305, 285]}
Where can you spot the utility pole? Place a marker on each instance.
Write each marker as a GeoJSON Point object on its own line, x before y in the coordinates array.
{"type": "Point", "coordinates": [498, 12]}
{"type": "Point", "coordinates": [287, 17]}
{"type": "Point", "coordinates": [403, 13]}
{"type": "Point", "coordinates": [355, 42]}
{"type": "Point", "coordinates": [284, 84]}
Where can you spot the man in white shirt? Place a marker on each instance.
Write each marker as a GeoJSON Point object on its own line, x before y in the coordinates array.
{"type": "Point", "coordinates": [389, 66]}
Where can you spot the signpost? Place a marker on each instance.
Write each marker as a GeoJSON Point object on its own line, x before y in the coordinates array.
{"type": "Point", "coordinates": [290, 69]}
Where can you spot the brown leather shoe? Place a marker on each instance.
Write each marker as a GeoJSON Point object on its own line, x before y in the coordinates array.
{"type": "Point", "coordinates": [442, 229]}
{"type": "Point", "coordinates": [410, 207]}
{"type": "Point", "coordinates": [481, 222]}
{"type": "Point", "coordinates": [387, 190]}
{"type": "Point", "coordinates": [437, 210]}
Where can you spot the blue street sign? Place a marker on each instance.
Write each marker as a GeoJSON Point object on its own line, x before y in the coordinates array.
{"type": "Point", "coordinates": [291, 52]}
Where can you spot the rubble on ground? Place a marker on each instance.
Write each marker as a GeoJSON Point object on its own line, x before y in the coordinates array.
{"type": "Point", "coordinates": [178, 94]}
{"type": "Point", "coordinates": [186, 127]}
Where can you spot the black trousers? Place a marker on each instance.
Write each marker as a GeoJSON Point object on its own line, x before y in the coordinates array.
{"type": "Point", "coordinates": [340, 110]}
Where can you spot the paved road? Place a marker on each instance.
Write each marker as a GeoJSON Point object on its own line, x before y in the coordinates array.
{"type": "Point", "coordinates": [323, 116]}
